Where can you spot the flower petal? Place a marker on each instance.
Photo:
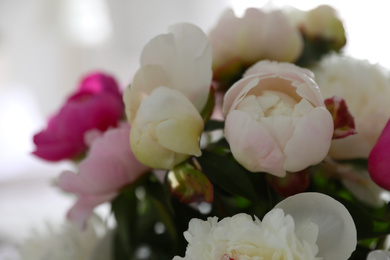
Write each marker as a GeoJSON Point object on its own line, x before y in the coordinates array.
{"type": "Point", "coordinates": [83, 208]}
{"type": "Point", "coordinates": [337, 236]}
{"type": "Point", "coordinates": [252, 145]}
{"type": "Point", "coordinates": [185, 55]}
{"type": "Point", "coordinates": [311, 140]}
{"type": "Point", "coordinates": [379, 159]}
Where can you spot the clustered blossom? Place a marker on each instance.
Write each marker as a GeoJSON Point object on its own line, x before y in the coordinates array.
{"type": "Point", "coordinates": [96, 105]}
{"type": "Point", "coordinates": [168, 92]}
{"type": "Point", "coordinates": [306, 226]}
{"type": "Point", "coordinates": [276, 120]}
{"type": "Point", "coordinates": [67, 241]}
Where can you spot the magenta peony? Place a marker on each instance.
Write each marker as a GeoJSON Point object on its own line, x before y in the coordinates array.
{"type": "Point", "coordinates": [109, 165]}
{"type": "Point", "coordinates": [379, 159]}
{"type": "Point", "coordinates": [97, 104]}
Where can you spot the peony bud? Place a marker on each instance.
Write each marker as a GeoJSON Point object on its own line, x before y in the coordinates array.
{"type": "Point", "coordinates": [190, 185]}
{"type": "Point", "coordinates": [293, 183]}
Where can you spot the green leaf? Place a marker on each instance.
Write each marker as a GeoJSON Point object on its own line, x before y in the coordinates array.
{"type": "Point", "coordinates": [367, 225]}
{"type": "Point", "coordinates": [212, 125]}
{"type": "Point", "coordinates": [160, 201]}
{"type": "Point", "coordinates": [124, 208]}
{"type": "Point", "coordinates": [225, 172]}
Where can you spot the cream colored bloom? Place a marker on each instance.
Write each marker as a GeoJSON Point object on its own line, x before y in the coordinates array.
{"type": "Point", "coordinates": [68, 242]}
{"type": "Point", "coordinates": [179, 60]}
{"type": "Point", "coordinates": [306, 226]}
{"type": "Point", "coordinates": [169, 91]}
{"type": "Point", "coordinates": [276, 120]}
{"type": "Point", "coordinates": [366, 89]}
{"type": "Point", "coordinates": [257, 35]}
{"type": "Point", "coordinates": [166, 129]}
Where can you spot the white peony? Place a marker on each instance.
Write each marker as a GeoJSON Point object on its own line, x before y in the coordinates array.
{"type": "Point", "coordinates": [305, 226]}
{"type": "Point", "coordinates": [366, 89]}
{"type": "Point", "coordinates": [168, 92]}
{"type": "Point", "coordinates": [68, 242]}
{"type": "Point", "coordinates": [179, 60]}
{"type": "Point", "coordinates": [166, 129]}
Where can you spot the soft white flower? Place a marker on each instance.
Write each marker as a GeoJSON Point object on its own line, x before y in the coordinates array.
{"type": "Point", "coordinates": [306, 226]}
{"type": "Point", "coordinates": [179, 60]}
{"type": "Point", "coordinates": [169, 91]}
{"type": "Point", "coordinates": [366, 89]}
{"type": "Point", "coordinates": [67, 242]}
{"type": "Point", "coordinates": [276, 120]}
{"type": "Point", "coordinates": [166, 129]}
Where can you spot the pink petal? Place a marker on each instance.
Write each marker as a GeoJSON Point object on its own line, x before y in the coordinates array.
{"type": "Point", "coordinates": [251, 144]}
{"type": "Point", "coordinates": [311, 140]}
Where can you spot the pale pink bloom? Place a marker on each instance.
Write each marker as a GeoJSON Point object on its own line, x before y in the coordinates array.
{"type": "Point", "coordinates": [109, 165]}
{"type": "Point", "coordinates": [379, 159]}
{"type": "Point", "coordinates": [255, 36]}
{"type": "Point", "coordinates": [276, 120]}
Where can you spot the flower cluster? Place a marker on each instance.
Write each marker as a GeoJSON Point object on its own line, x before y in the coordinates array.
{"type": "Point", "coordinates": [262, 118]}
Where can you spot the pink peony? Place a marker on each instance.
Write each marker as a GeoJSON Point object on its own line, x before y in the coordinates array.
{"type": "Point", "coordinates": [276, 120]}
{"type": "Point", "coordinates": [379, 159]}
{"type": "Point", "coordinates": [109, 165]}
{"type": "Point", "coordinates": [97, 104]}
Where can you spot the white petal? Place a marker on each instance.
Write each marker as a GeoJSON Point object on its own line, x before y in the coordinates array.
{"type": "Point", "coordinates": [379, 255]}
{"type": "Point", "coordinates": [337, 231]}
{"type": "Point", "coordinates": [178, 123]}
{"type": "Point", "coordinates": [185, 54]}
{"type": "Point", "coordinates": [145, 81]}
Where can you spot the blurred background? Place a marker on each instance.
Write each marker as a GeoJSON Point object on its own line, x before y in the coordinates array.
{"type": "Point", "coordinates": [46, 46]}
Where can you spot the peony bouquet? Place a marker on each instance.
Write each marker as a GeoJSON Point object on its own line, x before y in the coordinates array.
{"type": "Point", "coordinates": [258, 140]}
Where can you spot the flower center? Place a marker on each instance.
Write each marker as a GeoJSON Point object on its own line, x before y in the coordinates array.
{"type": "Point", "coordinates": [226, 257]}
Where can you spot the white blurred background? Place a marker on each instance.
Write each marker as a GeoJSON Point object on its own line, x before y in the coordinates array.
{"type": "Point", "coordinates": [47, 45]}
